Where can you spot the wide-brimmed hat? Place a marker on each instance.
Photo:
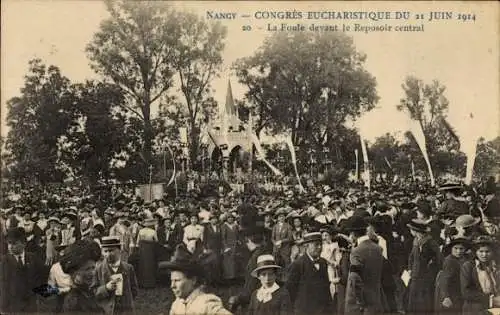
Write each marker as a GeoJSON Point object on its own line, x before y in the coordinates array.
{"type": "Point", "coordinates": [279, 212]}
{"type": "Point", "coordinates": [71, 215]}
{"type": "Point", "coordinates": [418, 226]}
{"type": "Point", "coordinates": [466, 220]}
{"type": "Point", "coordinates": [264, 262]}
{"type": "Point", "coordinates": [467, 242]}
{"type": "Point", "coordinates": [311, 237]}
{"type": "Point", "coordinates": [54, 219]}
{"type": "Point", "coordinates": [78, 253]}
{"type": "Point", "coordinates": [294, 215]}
{"type": "Point", "coordinates": [110, 241]}
{"type": "Point", "coordinates": [485, 240]}
{"type": "Point", "coordinates": [183, 261]}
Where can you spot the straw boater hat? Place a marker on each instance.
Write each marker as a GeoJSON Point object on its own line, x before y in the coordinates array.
{"type": "Point", "coordinates": [418, 226]}
{"type": "Point", "coordinates": [54, 219]}
{"type": "Point", "coordinates": [110, 242]}
{"type": "Point", "coordinates": [450, 187]}
{"type": "Point", "coordinates": [311, 237]}
{"type": "Point", "coordinates": [466, 220]}
{"type": "Point", "coordinates": [264, 262]}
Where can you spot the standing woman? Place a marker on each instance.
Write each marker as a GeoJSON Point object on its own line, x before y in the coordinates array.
{"type": "Point", "coordinates": [480, 279]}
{"type": "Point", "coordinates": [229, 235]}
{"type": "Point", "coordinates": [448, 297]}
{"type": "Point", "coordinates": [424, 264]}
{"type": "Point", "coordinates": [328, 252]}
{"type": "Point", "coordinates": [78, 262]}
{"type": "Point", "coordinates": [342, 265]}
{"type": "Point", "coordinates": [147, 240]}
{"type": "Point", "coordinates": [270, 298]}
{"type": "Point", "coordinates": [297, 235]}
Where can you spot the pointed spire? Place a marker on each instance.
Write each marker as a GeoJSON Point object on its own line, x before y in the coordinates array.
{"type": "Point", "coordinates": [230, 107]}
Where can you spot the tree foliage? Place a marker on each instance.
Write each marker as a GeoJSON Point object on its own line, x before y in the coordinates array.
{"type": "Point", "coordinates": [134, 48]}
{"type": "Point", "coordinates": [427, 104]}
{"type": "Point", "coordinates": [307, 83]}
{"type": "Point", "coordinates": [197, 62]}
{"type": "Point", "coordinates": [37, 119]}
{"type": "Point", "coordinates": [101, 142]}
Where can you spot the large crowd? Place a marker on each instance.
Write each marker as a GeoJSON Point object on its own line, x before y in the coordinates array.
{"type": "Point", "coordinates": [339, 249]}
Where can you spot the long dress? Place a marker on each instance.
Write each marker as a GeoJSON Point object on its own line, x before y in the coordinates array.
{"type": "Point", "coordinates": [425, 263]}
{"type": "Point", "coordinates": [147, 240]}
{"type": "Point", "coordinates": [229, 234]}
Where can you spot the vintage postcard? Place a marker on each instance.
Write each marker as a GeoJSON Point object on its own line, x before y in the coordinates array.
{"type": "Point", "coordinates": [269, 157]}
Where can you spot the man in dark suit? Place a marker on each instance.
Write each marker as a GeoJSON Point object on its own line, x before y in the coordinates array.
{"type": "Point", "coordinates": [255, 243]}
{"type": "Point", "coordinates": [308, 282]}
{"type": "Point", "coordinates": [20, 273]}
{"type": "Point", "coordinates": [364, 283]}
{"type": "Point", "coordinates": [282, 236]}
{"type": "Point", "coordinates": [115, 279]}
{"type": "Point", "coordinates": [212, 235]}
{"type": "Point", "coordinates": [213, 243]}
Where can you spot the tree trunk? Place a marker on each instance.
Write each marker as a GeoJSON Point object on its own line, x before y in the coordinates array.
{"type": "Point", "coordinates": [147, 133]}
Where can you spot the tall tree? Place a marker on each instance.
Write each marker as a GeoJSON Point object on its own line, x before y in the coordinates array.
{"type": "Point", "coordinates": [134, 48]}
{"type": "Point", "coordinates": [197, 62]}
{"type": "Point", "coordinates": [427, 104]}
{"type": "Point", "coordinates": [91, 150]}
{"type": "Point", "coordinates": [307, 83]}
{"type": "Point", "coordinates": [37, 119]}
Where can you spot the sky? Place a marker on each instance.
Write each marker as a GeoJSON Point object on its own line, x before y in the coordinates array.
{"type": "Point", "coordinates": [463, 56]}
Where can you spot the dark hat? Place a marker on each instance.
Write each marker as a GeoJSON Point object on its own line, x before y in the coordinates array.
{"type": "Point", "coordinates": [183, 261]}
{"type": "Point", "coordinates": [257, 229]}
{"type": "Point", "coordinates": [356, 223]}
{"type": "Point", "coordinates": [312, 237]}
{"type": "Point", "coordinates": [71, 215]}
{"type": "Point", "coordinates": [408, 205]}
{"type": "Point", "coordinates": [16, 234]}
{"type": "Point", "coordinates": [110, 241]}
{"type": "Point", "coordinates": [485, 240]}
{"type": "Point", "coordinates": [424, 208]}
{"type": "Point", "coordinates": [380, 222]}
{"type": "Point", "coordinates": [418, 226]}
{"type": "Point", "coordinates": [78, 253]}
{"type": "Point", "coordinates": [61, 247]}
{"type": "Point", "coordinates": [343, 241]}
{"type": "Point", "coordinates": [457, 240]}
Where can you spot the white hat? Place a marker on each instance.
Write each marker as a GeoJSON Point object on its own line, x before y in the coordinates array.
{"type": "Point", "coordinates": [264, 262]}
